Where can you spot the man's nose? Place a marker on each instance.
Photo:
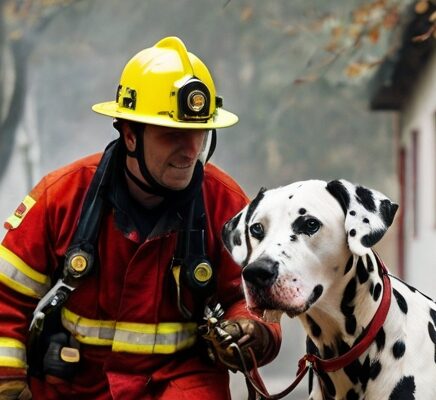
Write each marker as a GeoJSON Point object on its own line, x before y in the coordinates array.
{"type": "Point", "coordinates": [192, 142]}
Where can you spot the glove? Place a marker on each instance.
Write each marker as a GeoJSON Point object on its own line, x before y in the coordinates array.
{"type": "Point", "coordinates": [16, 389]}
{"type": "Point", "coordinates": [251, 337]}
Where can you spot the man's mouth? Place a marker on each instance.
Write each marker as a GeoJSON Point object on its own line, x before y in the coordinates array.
{"type": "Point", "coordinates": [181, 166]}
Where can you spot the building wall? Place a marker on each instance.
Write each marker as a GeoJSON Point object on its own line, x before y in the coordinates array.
{"type": "Point", "coordinates": [418, 132]}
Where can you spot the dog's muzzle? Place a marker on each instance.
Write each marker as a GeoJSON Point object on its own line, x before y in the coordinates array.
{"type": "Point", "coordinates": [261, 273]}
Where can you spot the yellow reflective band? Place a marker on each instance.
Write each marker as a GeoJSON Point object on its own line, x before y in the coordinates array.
{"type": "Point", "coordinates": [88, 331]}
{"type": "Point", "coordinates": [15, 219]}
{"type": "Point", "coordinates": [12, 353]}
{"type": "Point", "coordinates": [17, 275]}
{"type": "Point", "coordinates": [162, 338]}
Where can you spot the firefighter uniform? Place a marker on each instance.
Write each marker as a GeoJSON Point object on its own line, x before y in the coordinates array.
{"type": "Point", "coordinates": [133, 339]}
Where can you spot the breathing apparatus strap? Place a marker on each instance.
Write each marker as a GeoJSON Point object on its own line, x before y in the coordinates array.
{"type": "Point", "coordinates": [190, 266]}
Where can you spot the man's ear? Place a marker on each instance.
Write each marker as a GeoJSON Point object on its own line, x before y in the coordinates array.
{"type": "Point", "coordinates": [368, 214]}
{"type": "Point", "coordinates": [129, 136]}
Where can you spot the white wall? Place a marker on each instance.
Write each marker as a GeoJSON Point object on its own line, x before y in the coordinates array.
{"type": "Point", "coordinates": [419, 116]}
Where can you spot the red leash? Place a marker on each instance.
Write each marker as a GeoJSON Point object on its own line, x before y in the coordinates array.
{"type": "Point", "coordinates": [332, 364]}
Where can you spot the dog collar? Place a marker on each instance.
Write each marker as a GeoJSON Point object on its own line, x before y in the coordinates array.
{"type": "Point", "coordinates": [369, 335]}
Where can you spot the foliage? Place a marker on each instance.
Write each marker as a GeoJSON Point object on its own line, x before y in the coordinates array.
{"type": "Point", "coordinates": [295, 72]}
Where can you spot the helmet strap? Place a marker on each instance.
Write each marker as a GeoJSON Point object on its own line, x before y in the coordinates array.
{"type": "Point", "coordinates": [152, 186]}
{"type": "Point", "coordinates": [212, 146]}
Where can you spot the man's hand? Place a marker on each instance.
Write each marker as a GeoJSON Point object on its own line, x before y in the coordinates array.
{"type": "Point", "coordinates": [14, 390]}
{"type": "Point", "coordinates": [250, 336]}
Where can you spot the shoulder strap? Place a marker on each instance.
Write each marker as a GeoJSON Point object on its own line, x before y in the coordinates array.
{"type": "Point", "coordinates": [80, 256]}
{"type": "Point", "coordinates": [191, 268]}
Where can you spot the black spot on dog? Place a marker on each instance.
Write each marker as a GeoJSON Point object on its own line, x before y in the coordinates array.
{"type": "Point", "coordinates": [350, 324]}
{"type": "Point", "coordinates": [340, 193]}
{"type": "Point", "coordinates": [365, 220]}
{"type": "Point", "coordinates": [374, 369]}
{"type": "Point", "coordinates": [302, 211]}
{"type": "Point", "coordinates": [237, 239]}
{"type": "Point", "coordinates": [352, 213]}
{"type": "Point", "coordinates": [433, 315]}
{"type": "Point", "coordinates": [347, 307]}
{"type": "Point", "coordinates": [398, 349]}
{"type": "Point", "coordinates": [370, 264]}
{"type": "Point", "coordinates": [364, 373]}
{"type": "Point", "coordinates": [380, 339]}
{"type": "Point", "coordinates": [353, 232]}
{"type": "Point", "coordinates": [432, 334]}
{"type": "Point", "coordinates": [253, 205]}
{"type": "Point", "coordinates": [377, 291]}
{"type": "Point", "coordinates": [404, 389]}
{"type": "Point", "coordinates": [315, 295]}
{"type": "Point", "coordinates": [314, 327]}
{"type": "Point", "coordinates": [401, 301]}
{"type": "Point", "coordinates": [372, 238]}
{"type": "Point", "coordinates": [235, 221]}
{"type": "Point", "coordinates": [352, 395]}
{"type": "Point", "coordinates": [387, 211]}
{"type": "Point", "coordinates": [328, 384]}
{"type": "Point", "coordinates": [291, 196]}
{"type": "Point", "coordinates": [364, 196]}
{"type": "Point", "coordinates": [293, 238]}
{"type": "Point", "coordinates": [286, 255]}
{"type": "Point", "coordinates": [352, 370]}
{"type": "Point", "coordinates": [349, 265]}
{"type": "Point", "coordinates": [362, 273]}
{"type": "Point", "coordinates": [328, 352]}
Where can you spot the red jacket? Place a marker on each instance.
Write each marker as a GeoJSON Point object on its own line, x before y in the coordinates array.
{"type": "Point", "coordinates": [124, 314]}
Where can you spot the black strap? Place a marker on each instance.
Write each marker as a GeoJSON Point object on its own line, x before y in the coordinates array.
{"type": "Point", "coordinates": [85, 237]}
{"type": "Point", "coordinates": [190, 255]}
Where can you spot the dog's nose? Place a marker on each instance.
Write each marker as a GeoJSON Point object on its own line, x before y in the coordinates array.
{"type": "Point", "coordinates": [261, 273]}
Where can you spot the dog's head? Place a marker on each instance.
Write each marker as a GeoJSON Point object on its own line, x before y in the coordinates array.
{"type": "Point", "coordinates": [292, 242]}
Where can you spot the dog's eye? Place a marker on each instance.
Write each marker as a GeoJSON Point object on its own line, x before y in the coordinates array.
{"type": "Point", "coordinates": [311, 226]}
{"type": "Point", "coordinates": [257, 231]}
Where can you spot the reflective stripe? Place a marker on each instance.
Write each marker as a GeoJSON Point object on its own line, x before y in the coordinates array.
{"type": "Point", "coordinates": [12, 353]}
{"type": "Point", "coordinates": [89, 331]}
{"type": "Point", "coordinates": [17, 275]}
{"type": "Point", "coordinates": [162, 338]}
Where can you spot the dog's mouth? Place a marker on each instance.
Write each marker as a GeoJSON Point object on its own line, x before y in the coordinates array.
{"type": "Point", "coordinates": [270, 308]}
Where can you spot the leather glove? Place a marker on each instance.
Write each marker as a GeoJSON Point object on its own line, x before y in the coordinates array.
{"type": "Point", "coordinates": [252, 338]}
{"type": "Point", "coordinates": [15, 389]}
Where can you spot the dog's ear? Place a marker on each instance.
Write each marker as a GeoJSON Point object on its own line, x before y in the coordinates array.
{"type": "Point", "coordinates": [368, 214]}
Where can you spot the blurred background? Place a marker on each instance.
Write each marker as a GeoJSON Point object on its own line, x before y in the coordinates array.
{"type": "Point", "coordinates": [323, 89]}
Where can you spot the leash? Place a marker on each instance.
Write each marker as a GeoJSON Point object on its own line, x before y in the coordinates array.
{"type": "Point", "coordinates": [255, 385]}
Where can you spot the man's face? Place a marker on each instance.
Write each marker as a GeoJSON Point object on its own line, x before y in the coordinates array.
{"type": "Point", "coordinates": [171, 154]}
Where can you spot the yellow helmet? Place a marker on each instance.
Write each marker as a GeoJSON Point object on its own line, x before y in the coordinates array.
{"type": "Point", "coordinates": [167, 86]}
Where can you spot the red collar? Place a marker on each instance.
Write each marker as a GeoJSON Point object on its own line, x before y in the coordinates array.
{"type": "Point", "coordinates": [370, 333]}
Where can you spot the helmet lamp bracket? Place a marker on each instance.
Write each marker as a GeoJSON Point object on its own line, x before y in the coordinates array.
{"type": "Point", "coordinates": [193, 101]}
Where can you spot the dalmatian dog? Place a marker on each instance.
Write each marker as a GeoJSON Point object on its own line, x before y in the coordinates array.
{"type": "Point", "coordinates": [306, 250]}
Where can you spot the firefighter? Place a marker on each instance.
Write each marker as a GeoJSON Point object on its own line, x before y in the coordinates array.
{"type": "Point", "coordinates": [108, 264]}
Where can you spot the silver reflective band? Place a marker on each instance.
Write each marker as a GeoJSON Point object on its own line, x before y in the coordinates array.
{"type": "Point", "coordinates": [12, 353]}
{"type": "Point", "coordinates": [162, 338]}
{"type": "Point", "coordinates": [18, 276]}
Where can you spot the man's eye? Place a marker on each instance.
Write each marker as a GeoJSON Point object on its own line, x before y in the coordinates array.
{"type": "Point", "coordinates": [311, 226]}
{"type": "Point", "coordinates": [257, 231]}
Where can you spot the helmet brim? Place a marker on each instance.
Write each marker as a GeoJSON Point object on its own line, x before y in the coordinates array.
{"type": "Point", "coordinates": [221, 119]}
